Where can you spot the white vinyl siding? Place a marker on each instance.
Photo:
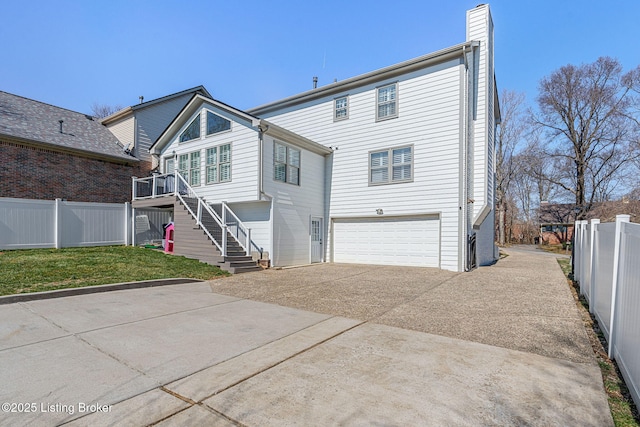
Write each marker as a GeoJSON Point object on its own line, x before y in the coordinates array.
{"type": "Point", "coordinates": [239, 180]}
{"type": "Point", "coordinates": [430, 122]}
{"type": "Point", "coordinates": [294, 205]}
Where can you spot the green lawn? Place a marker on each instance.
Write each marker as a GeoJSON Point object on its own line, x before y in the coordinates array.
{"type": "Point", "coordinates": [36, 270]}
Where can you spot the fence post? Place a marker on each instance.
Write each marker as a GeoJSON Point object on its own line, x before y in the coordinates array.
{"type": "Point", "coordinates": [614, 288]}
{"type": "Point", "coordinates": [133, 226]}
{"type": "Point", "coordinates": [57, 229]}
{"type": "Point", "coordinates": [127, 207]}
{"type": "Point", "coordinates": [579, 273]}
{"type": "Point", "coordinates": [593, 257]}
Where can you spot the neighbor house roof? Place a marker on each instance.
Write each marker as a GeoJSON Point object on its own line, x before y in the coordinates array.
{"type": "Point", "coordinates": [129, 110]}
{"type": "Point", "coordinates": [33, 122]}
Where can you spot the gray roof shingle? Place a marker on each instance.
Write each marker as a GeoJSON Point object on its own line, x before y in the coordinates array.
{"type": "Point", "coordinates": [34, 121]}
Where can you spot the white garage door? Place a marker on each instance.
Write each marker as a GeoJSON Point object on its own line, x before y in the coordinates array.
{"type": "Point", "coordinates": [413, 241]}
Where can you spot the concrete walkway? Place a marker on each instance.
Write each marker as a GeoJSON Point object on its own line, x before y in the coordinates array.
{"type": "Point", "coordinates": [320, 345]}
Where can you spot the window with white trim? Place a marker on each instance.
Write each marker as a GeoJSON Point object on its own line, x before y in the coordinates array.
{"type": "Point", "coordinates": [189, 167]}
{"type": "Point", "coordinates": [387, 102]}
{"type": "Point", "coordinates": [341, 108]}
{"type": "Point", "coordinates": [192, 131]}
{"type": "Point", "coordinates": [218, 164]}
{"type": "Point", "coordinates": [169, 165]}
{"type": "Point", "coordinates": [216, 124]}
{"type": "Point", "coordinates": [286, 164]}
{"type": "Point", "coordinates": [391, 166]}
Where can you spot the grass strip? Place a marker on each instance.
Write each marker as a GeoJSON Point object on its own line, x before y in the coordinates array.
{"type": "Point", "coordinates": [36, 270]}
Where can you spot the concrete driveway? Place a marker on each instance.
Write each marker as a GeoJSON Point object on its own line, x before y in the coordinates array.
{"type": "Point", "coordinates": [321, 345]}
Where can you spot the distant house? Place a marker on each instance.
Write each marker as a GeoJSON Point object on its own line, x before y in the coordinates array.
{"type": "Point", "coordinates": [48, 152]}
{"type": "Point", "coordinates": [395, 166]}
{"type": "Point", "coordinates": [137, 127]}
{"type": "Point", "coordinates": [556, 222]}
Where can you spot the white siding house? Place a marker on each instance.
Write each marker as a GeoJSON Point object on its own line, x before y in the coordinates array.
{"type": "Point", "coordinates": [412, 172]}
{"type": "Point", "coordinates": [391, 167]}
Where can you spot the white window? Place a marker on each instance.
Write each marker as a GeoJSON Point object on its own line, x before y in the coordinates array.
{"type": "Point", "coordinates": [189, 167]}
{"type": "Point", "coordinates": [341, 108]}
{"type": "Point", "coordinates": [219, 164]}
{"type": "Point", "coordinates": [391, 166]}
{"type": "Point", "coordinates": [169, 165]}
{"type": "Point", "coordinates": [387, 102]}
{"type": "Point", "coordinates": [286, 164]}
{"type": "Point", "coordinates": [192, 131]}
{"type": "Point", "coordinates": [216, 124]}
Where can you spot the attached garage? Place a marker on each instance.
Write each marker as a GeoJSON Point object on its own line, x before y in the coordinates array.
{"type": "Point", "coordinates": [411, 241]}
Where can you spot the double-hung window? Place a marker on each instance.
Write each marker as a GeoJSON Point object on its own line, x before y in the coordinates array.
{"type": "Point", "coordinates": [286, 164]}
{"type": "Point", "coordinates": [341, 108]}
{"type": "Point", "coordinates": [387, 102]}
{"type": "Point", "coordinates": [189, 167]}
{"type": "Point", "coordinates": [391, 166]}
{"type": "Point", "coordinates": [219, 164]}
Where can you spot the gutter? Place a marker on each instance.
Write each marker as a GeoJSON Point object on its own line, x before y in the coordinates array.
{"type": "Point", "coordinates": [68, 150]}
{"type": "Point", "coordinates": [371, 77]}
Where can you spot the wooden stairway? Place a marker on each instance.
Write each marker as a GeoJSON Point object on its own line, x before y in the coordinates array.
{"type": "Point", "coordinates": [191, 241]}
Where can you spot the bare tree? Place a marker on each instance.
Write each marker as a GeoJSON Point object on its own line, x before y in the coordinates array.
{"type": "Point", "coordinates": [512, 127]}
{"type": "Point", "coordinates": [102, 110]}
{"type": "Point", "coordinates": [587, 113]}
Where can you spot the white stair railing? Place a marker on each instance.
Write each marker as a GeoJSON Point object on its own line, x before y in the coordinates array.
{"type": "Point", "coordinates": [160, 185]}
{"type": "Point", "coordinates": [183, 190]}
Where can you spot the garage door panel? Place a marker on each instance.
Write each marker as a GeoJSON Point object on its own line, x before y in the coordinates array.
{"type": "Point", "coordinates": [412, 241]}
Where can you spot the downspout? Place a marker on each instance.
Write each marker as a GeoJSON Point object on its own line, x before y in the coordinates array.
{"type": "Point", "coordinates": [462, 197]}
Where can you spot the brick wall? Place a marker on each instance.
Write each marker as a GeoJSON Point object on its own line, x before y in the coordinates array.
{"type": "Point", "coordinates": [35, 173]}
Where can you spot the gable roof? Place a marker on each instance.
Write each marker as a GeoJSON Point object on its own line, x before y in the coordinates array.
{"type": "Point", "coordinates": [259, 124]}
{"type": "Point", "coordinates": [33, 122]}
{"type": "Point", "coordinates": [129, 110]}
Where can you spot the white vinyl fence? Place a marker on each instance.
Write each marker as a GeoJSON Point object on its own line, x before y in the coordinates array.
{"type": "Point", "coordinates": [607, 266]}
{"type": "Point", "coordinates": [27, 224]}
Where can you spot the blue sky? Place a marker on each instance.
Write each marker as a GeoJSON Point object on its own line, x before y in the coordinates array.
{"type": "Point", "coordinates": [75, 53]}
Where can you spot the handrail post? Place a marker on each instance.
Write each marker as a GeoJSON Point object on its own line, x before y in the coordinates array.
{"type": "Point", "coordinates": [175, 182]}
{"type": "Point", "coordinates": [133, 187]}
{"type": "Point", "coordinates": [224, 240]}
{"type": "Point", "coordinates": [224, 213]}
{"type": "Point", "coordinates": [199, 214]}
{"type": "Point", "coordinates": [248, 242]}
{"type": "Point", "coordinates": [153, 188]}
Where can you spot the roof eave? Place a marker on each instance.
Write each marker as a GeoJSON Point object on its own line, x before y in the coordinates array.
{"type": "Point", "coordinates": [68, 150]}
{"type": "Point", "coordinates": [368, 78]}
{"type": "Point", "coordinates": [285, 135]}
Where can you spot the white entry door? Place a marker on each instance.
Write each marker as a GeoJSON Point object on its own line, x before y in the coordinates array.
{"type": "Point", "coordinates": [316, 239]}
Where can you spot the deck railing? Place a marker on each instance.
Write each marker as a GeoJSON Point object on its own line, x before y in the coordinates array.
{"type": "Point", "coordinates": [174, 184]}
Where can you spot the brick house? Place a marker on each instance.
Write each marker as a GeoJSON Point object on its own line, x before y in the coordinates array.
{"type": "Point", "coordinates": [48, 152]}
